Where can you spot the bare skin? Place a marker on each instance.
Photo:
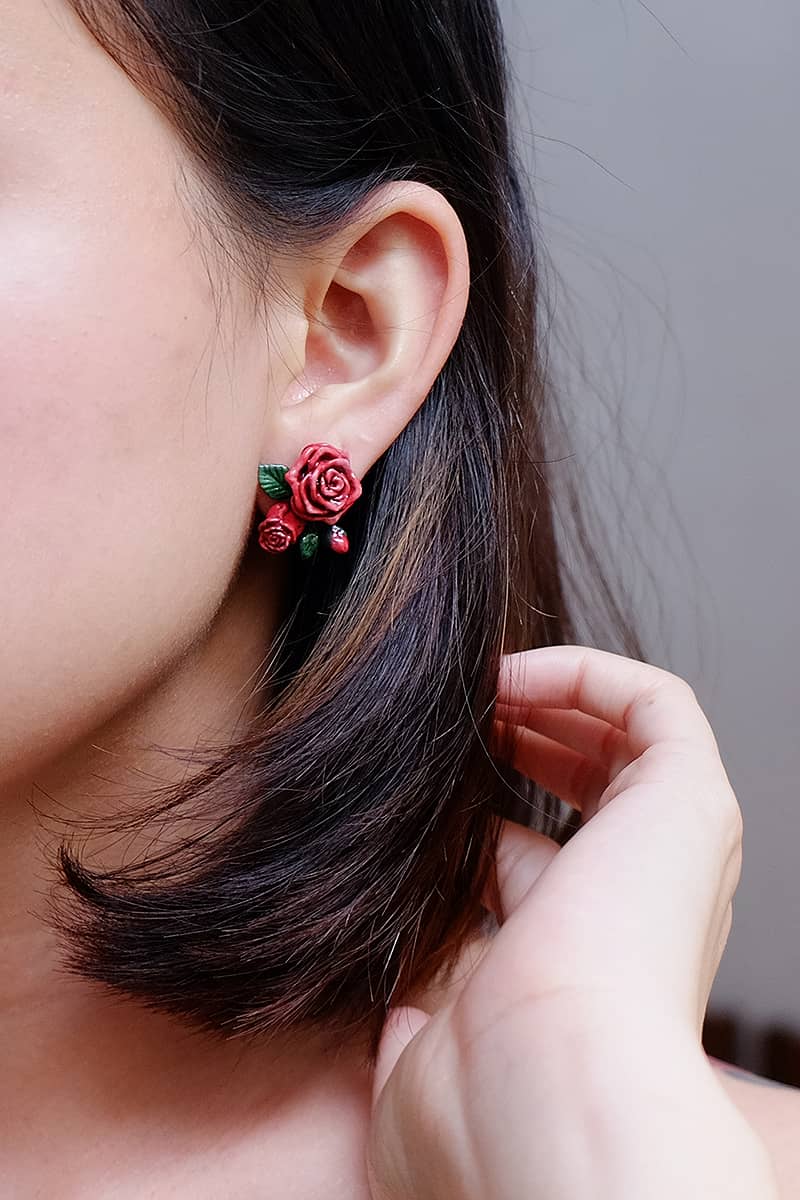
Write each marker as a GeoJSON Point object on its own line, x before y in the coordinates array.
{"type": "Point", "coordinates": [136, 403]}
{"type": "Point", "coordinates": [133, 416]}
{"type": "Point", "coordinates": [585, 1011]}
{"type": "Point", "coordinates": [104, 1098]}
{"type": "Point", "coordinates": [772, 1109]}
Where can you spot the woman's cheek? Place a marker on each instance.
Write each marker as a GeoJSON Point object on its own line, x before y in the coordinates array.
{"type": "Point", "coordinates": [121, 457]}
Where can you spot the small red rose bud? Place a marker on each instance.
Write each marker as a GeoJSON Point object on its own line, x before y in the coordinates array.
{"type": "Point", "coordinates": [279, 528]}
{"type": "Point", "coordinates": [337, 539]}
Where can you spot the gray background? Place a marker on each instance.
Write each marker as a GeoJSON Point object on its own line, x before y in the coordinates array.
{"type": "Point", "coordinates": [664, 152]}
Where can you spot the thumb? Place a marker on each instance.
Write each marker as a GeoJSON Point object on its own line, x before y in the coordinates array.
{"type": "Point", "coordinates": [400, 1026]}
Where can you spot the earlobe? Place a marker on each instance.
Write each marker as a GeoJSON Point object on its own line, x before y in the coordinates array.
{"type": "Point", "coordinates": [386, 313]}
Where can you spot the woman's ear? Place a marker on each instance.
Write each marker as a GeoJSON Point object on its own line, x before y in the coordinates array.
{"type": "Point", "coordinates": [382, 306]}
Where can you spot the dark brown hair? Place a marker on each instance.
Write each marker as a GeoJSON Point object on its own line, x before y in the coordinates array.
{"type": "Point", "coordinates": [349, 832]}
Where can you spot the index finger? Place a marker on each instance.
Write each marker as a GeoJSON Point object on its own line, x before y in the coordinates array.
{"type": "Point", "coordinates": [647, 702]}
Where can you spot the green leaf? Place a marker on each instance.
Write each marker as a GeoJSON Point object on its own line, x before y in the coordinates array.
{"type": "Point", "coordinates": [271, 479]}
{"type": "Point", "coordinates": [308, 545]}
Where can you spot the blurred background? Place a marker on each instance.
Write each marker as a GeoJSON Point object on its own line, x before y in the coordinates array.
{"type": "Point", "coordinates": [662, 143]}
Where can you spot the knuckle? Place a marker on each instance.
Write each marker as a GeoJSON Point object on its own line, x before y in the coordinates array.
{"type": "Point", "coordinates": [681, 686]}
{"type": "Point", "coordinates": [686, 693]}
{"type": "Point", "coordinates": [662, 682]}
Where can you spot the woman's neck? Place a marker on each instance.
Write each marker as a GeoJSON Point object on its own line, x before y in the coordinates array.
{"type": "Point", "coordinates": [91, 1078]}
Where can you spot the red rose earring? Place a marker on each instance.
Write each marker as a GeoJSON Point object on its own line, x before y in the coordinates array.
{"type": "Point", "coordinates": [318, 487]}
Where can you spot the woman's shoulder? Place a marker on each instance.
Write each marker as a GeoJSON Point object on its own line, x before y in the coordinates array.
{"type": "Point", "coordinates": [773, 1111]}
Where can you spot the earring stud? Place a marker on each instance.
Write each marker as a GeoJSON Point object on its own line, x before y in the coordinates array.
{"type": "Point", "coordinates": [315, 490]}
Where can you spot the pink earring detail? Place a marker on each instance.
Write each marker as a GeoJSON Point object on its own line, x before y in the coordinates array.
{"type": "Point", "coordinates": [317, 488]}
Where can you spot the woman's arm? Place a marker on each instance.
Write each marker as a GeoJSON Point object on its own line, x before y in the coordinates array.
{"type": "Point", "coordinates": [630, 1109]}
{"type": "Point", "coordinates": [773, 1111]}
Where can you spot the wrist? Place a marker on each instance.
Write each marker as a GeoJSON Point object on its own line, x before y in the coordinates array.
{"type": "Point", "coordinates": [653, 1113]}
{"type": "Point", "coordinates": [622, 1107]}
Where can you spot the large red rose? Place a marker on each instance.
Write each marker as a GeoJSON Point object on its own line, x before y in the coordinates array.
{"type": "Point", "coordinates": [322, 482]}
{"type": "Point", "coordinates": [279, 528]}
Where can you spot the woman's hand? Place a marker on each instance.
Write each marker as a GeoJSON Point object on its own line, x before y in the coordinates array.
{"type": "Point", "coordinates": [585, 1012]}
